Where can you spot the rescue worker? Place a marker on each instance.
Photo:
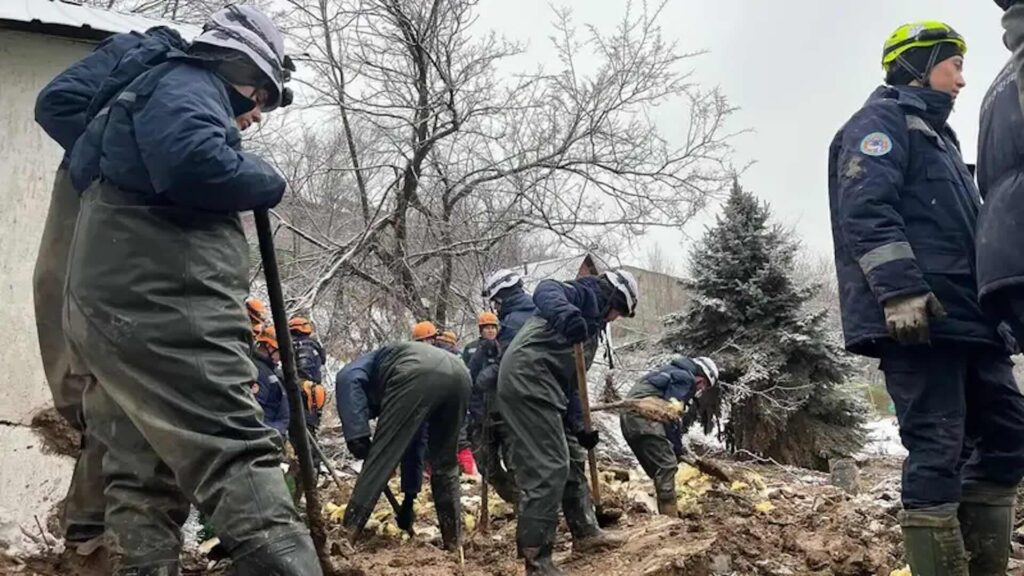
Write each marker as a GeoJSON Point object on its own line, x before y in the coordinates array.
{"type": "Point", "coordinates": [492, 451]}
{"type": "Point", "coordinates": [61, 110]}
{"type": "Point", "coordinates": [259, 316]}
{"type": "Point", "coordinates": [268, 390]}
{"type": "Point", "coordinates": [309, 364]}
{"type": "Point", "coordinates": [904, 213]}
{"type": "Point", "coordinates": [537, 396]}
{"type": "Point", "coordinates": [504, 289]}
{"type": "Point", "coordinates": [658, 445]}
{"type": "Point", "coordinates": [154, 305]}
{"type": "Point", "coordinates": [487, 324]}
{"type": "Point", "coordinates": [404, 386]}
{"type": "Point", "coordinates": [449, 342]}
{"type": "Point", "coordinates": [1000, 163]}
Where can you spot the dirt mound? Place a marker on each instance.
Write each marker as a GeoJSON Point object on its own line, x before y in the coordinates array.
{"type": "Point", "coordinates": [770, 521]}
{"type": "Point", "coordinates": [58, 436]}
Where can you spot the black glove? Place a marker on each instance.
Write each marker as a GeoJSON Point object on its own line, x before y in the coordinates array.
{"type": "Point", "coordinates": [1005, 4]}
{"type": "Point", "coordinates": [490, 348]}
{"type": "Point", "coordinates": [359, 447]}
{"type": "Point", "coordinates": [588, 439]}
{"type": "Point", "coordinates": [575, 329]}
{"type": "Point", "coordinates": [406, 515]}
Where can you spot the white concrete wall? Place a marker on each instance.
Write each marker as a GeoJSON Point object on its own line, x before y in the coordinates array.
{"type": "Point", "coordinates": [29, 481]}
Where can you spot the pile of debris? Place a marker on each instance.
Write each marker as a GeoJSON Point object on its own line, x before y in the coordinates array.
{"type": "Point", "coordinates": [768, 520]}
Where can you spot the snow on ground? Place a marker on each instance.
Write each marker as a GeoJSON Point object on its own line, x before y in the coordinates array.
{"type": "Point", "coordinates": [883, 439]}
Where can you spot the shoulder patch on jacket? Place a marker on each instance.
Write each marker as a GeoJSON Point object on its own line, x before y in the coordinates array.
{"type": "Point", "coordinates": [876, 144]}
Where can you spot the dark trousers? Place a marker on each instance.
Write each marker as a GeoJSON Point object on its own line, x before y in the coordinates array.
{"type": "Point", "coordinates": [85, 503]}
{"type": "Point", "coordinates": [961, 419]}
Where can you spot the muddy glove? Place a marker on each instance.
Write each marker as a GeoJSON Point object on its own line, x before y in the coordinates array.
{"type": "Point", "coordinates": [588, 439]}
{"type": "Point", "coordinates": [406, 515]}
{"type": "Point", "coordinates": [907, 317]}
{"type": "Point", "coordinates": [359, 447]}
{"type": "Point", "coordinates": [575, 329]}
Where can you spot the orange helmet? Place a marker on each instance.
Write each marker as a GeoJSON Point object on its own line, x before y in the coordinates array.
{"type": "Point", "coordinates": [487, 319]}
{"type": "Point", "coordinates": [257, 310]}
{"type": "Point", "coordinates": [268, 337]}
{"type": "Point", "coordinates": [448, 337]}
{"type": "Point", "coordinates": [424, 330]}
{"type": "Point", "coordinates": [300, 324]}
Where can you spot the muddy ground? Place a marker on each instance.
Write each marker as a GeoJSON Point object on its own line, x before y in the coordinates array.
{"type": "Point", "coordinates": [769, 520]}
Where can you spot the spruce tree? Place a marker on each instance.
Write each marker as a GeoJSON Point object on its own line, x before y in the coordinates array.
{"type": "Point", "coordinates": [783, 394]}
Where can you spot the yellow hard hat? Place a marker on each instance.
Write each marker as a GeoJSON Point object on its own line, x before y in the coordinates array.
{"type": "Point", "coordinates": [919, 35]}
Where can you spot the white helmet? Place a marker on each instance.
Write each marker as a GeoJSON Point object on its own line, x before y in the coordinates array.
{"type": "Point", "coordinates": [498, 281]}
{"type": "Point", "coordinates": [625, 284]}
{"type": "Point", "coordinates": [709, 368]}
{"type": "Point", "coordinates": [249, 31]}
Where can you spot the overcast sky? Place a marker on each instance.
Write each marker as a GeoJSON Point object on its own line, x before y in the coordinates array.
{"type": "Point", "coordinates": [797, 69]}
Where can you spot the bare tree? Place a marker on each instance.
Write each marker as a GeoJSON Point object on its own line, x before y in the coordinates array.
{"type": "Point", "coordinates": [427, 166]}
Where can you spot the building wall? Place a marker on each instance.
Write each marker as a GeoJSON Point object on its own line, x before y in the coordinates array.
{"type": "Point", "coordinates": [660, 295]}
{"type": "Point", "coordinates": [28, 159]}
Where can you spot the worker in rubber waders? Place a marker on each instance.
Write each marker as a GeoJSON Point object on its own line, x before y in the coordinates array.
{"type": "Point", "coordinates": [659, 445]}
{"type": "Point", "coordinates": [904, 213]}
{"type": "Point", "coordinates": [62, 110]}
{"type": "Point", "coordinates": [539, 401]}
{"type": "Point", "coordinates": [154, 306]}
{"type": "Point", "coordinates": [406, 387]}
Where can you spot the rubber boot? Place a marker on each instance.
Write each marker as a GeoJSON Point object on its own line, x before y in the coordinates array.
{"type": "Point", "coordinates": [668, 507]}
{"type": "Point", "coordinates": [447, 504]}
{"type": "Point", "coordinates": [539, 563]}
{"type": "Point", "coordinates": [986, 520]}
{"type": "Point", "coordinates": [933, 541]}
{"type": "Point", "coordinates": [602, 540]}
{"type": "Point", "coordinates": [535, 539]}
{"type": "Point", "coordinates": [289, 555]}
{"type": "Point", "coordinates": [86, 558]}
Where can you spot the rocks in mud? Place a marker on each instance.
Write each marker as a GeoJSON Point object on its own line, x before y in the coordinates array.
{"type": "Point", "coordinates": [846, 475]}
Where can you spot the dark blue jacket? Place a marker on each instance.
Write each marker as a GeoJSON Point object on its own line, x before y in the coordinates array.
{"type": "Point", "coordinates": [170, 136]}
{"type": "Point", "coordinates": [516, 308]}
{"type": "Point", "coordinates": [556, 303]}
{"type": "Point", "coordinates": [673, 381]}
{"type": "Point", "coordinates": [62, 104]}
{"type": "Point", "coordinates": [309, 357]}
{"type": "Point", "coordinates": [360, 394]}
{"type": "Point", "coordinates": [483, 372]}
{"type": "Point", "coordinates": [904, 215]}
{"type": "Point", "coordinates": [271, 396]}
{"type": "Point", "coordinates": [1001, 181]}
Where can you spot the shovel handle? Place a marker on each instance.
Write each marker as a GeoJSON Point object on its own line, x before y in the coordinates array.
{"type": "Point", "coordinates": [581, 381]}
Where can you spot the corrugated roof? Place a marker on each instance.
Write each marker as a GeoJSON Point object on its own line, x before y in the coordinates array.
{"type": "Point", "coordinates": [91, 22]}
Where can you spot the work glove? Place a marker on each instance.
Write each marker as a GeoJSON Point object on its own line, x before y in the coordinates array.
{"type": "Point", "coordinates": [359, 447]}
{"type": "Point", "coordinates": [406, 515]}
{"type": "Point", "coordinates": [575, 329]}
{"type": "Point", "coordinates": [588, 439]}
{"type": "Point", "coordinates": [907, 317]}
{"type": "Point", "coordinates": [1005, 4]}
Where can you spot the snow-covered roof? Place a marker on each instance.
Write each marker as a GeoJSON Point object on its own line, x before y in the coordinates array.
{"type": "Point", "coordinates": [67, 18]}
{"type": "Point", "coordinates": [563, 268]}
